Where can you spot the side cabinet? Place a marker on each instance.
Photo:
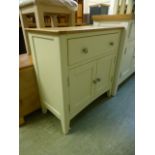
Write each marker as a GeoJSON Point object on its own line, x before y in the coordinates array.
{"type": "Point", "coordinates": [74, 69]}
{"type": "Point", "coordinates": [128, 56]}
{"type": "Point", "coordinates": [127, 64]}
{"type": "Point", "coordinates": [127, 48]}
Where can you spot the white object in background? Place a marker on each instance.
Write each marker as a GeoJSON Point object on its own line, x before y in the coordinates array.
{"type": "Point", "coordinates": [113, 7]}
{"type": "Point", "coordinates": [127, 60]}
{"type": "Point", "coordinates": [39, 8]}
{"type": "Point", "coordinates": [70, 4]}
{"type": "Point", "coordinates": [122, 7]}
{"type": "Point", "coordinates": [119, 7]}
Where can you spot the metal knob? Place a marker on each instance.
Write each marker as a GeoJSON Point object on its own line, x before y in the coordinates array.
{"type": "Point", "coordinates": [94, 81]}
{"type": "Point", "coordinates": [85, 50]}
{"type": "Point", "coordinates": [98, 79]}
{"type": "Point", "coordinates": [111, 43]}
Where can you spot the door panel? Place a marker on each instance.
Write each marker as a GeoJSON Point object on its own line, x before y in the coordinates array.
{"type": "Point", "coordinates": [103, 75]}
{"type": "Point", "coordinates": [127, 61]}
{"type": "Point", "coordinates": [81, 87]}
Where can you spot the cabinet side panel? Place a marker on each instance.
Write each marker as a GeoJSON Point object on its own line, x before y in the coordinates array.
{"type": "Point", "coordinates": [47, 63]}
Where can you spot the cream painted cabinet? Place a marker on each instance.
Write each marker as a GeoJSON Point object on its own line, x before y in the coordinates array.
{"type": "Point", "coordinates": [74, 66]}
{"type": "Point", "coordinates": [104, 74]}
{"type": "Point", "coordinates": [128, 61]}
{"type": "Point", "coordinates": [127, 54]}
{"type": "Point", "coordinates": [89, 81]}
{"type": "Point", "coordinates": [81, 86]}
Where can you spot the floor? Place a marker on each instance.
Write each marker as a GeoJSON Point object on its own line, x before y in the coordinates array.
{"type": "Point", "coordinates": [106, 127]}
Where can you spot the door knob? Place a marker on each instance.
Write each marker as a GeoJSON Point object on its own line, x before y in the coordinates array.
{"type": "Point", "coordinates": [94, 81]}
{"type": "Point", "coordinates": [111, 43]}
{"type": "Point", "coordinates": [98, 79]}
{"type": "Point", "coordinates": [85, 50]}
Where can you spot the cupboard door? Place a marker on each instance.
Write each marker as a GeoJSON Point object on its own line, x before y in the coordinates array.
{"type": "Point", "coordinates": [81, 87]}
{"type": "Point", "coordinates": [103, 75]}
{"type": "Point", "coordinates": [127, 62]}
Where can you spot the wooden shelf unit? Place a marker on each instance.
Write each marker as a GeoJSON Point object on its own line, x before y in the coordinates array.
{"type": "Point", "coordinates": [79, 19]}
{"type": "Point", "coordinates": [29, 99]}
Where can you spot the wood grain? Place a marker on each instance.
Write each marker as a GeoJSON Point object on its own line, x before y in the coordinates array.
{"type": "Point", "coordinates": [73, 29]}
{"type": "Point", "coordinates": [113, 17]}
{"type": "Point", "coordinates": [25, 61]}
{"type": "Point", "coordinates": [28, 90]}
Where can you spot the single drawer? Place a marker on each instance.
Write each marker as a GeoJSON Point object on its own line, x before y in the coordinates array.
{"type": "Point", "coordinates": [80, 49]}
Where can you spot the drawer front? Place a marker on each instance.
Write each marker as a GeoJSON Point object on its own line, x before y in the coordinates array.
{"type": "Point", "coordinates": [80, 49]}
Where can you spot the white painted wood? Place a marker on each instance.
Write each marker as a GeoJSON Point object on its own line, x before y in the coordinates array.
{"type": "Point", "coordinates": [127, 67]}
{"type": "Point", "coordinates": [103, 75]}
{"type": "Point", "coordinates": [24, 24]}
{"type": "Point", "coordinates": [39, 16]}
{"type": "Point", "coordinates": [122, 7]}
{"type": "Point", "coordinates": [81, 86]}
{"type": "Point", "coordinates": [129, 7]}
{"type": "Point", "coordinates": [115, 7]}
{"type": "Point", "coordinates": [39, 10]}
{"type": "Point", "coordinates": [48, 76]}
{"type": "Point", "coordinates": [127, 51]}
{"type": "Point", "coordinates": [67, 88]}
{"type": "Point", "coordinates": [86, 46]}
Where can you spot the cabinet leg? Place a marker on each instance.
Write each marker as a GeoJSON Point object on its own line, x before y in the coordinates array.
{"type": "Point", "coordinates": [65, 126]}
{"type": "Point", "coordinates": [44, 110]}
{"type": "Point", "coordinates": [109, 93]}
{"type": "Point", "coordinates": [114, 91]}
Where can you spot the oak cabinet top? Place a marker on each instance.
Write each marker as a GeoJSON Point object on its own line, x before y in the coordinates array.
{"type": "Point", "coordinates": [113, 17]}
{"type": "Point", "coordinates": [74, 29]}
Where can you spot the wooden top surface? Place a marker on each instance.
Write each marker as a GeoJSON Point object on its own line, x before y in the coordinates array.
{"type": "Point", "coordinates": [74, 29]}
{"type": "Point", "coordinates": [113, 17]}
{"type": "Point", "coordinates": [25, 61]}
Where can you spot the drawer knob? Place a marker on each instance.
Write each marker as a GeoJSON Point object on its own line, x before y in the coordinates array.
{"type": "Point", "coordinates": [94, 81]}
{"type": "Point", "coordinates": [98, 79]}
{"type": "Point", "coordinates": [85, 50]}
{"type": "Point", "coordinates": [111, 43]}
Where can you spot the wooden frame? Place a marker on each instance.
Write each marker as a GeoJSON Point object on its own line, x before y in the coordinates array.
{"type": "Point", "coordinates": [123, 7]}
{"type": "Point", "coordinates": [79, 13]}
{"type": "Point", "coordinates": [39, 10]}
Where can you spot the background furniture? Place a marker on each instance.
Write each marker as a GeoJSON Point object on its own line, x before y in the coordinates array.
{"type": "Point", "coordinates": [32, 15]}
{"type": "Point", "coordinates": [99, 9]}
{"type": "Point", "coordinates": [22, 48]}
{"type": "Point", "coordinates": [79, 13]}
{"type": "Point", "coordinates": [127, 62]}
{"type": "Point", "coordinates": [28, 90]}
{"type": "Point", "coordinates": [124, 7]}
{"type": "Point", "coordinates": [77, 66]}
